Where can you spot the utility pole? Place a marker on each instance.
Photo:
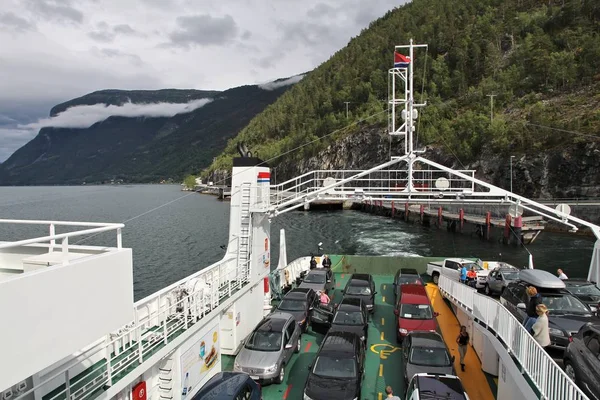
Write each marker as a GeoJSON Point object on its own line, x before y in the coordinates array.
{"type": "Point", "coordinates": [491, 96]}
{"type": "Point", "coordinates": [347, 102]}
{"type": "Point", "coordinates": [511, 174]}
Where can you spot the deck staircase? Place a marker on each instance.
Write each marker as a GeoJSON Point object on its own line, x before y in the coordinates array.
{"type": "Point", "coordinates": [244, 244]}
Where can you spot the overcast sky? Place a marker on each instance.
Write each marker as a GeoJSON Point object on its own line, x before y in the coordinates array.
{"type": "Point", "coordinates": [55, 50]}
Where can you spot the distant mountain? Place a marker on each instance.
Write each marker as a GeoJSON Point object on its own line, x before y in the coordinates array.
{"type": "Point", "coordinates": [141, 148]}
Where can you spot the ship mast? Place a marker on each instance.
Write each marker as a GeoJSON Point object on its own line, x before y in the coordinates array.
{"type": "Point", "coordinates": [401, 98]}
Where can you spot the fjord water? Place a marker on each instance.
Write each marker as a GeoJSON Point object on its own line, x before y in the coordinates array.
{"type": "Point", "coordinates": [186, 235]}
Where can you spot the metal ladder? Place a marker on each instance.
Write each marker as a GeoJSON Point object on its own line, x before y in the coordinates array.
{"type": "Point", "coordinates": [165, 379]}
{"type": "Point", "coordinates": [243, 258]}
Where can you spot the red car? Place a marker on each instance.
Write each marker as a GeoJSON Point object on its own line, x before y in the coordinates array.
{"type": "Point", "coordinates": [414, 312]}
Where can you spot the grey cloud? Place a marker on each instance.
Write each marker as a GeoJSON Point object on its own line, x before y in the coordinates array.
{"type": "Point", "coordinates": [59, 10]}
{"type": "Point", "coordinates": [124, 29]}
{"type": "Point", "coordinates": [102, 36]}
{"type": "Point", "coordinates": [133, 58]}
{"type": "Point", "coordinates": [13, 22]}
{"type": "Point", "coordinates": [320, 10]}
{"type": "Point", "coordinates": [246, 35]}
{"type": "Point", "coordinates": [203, 30]}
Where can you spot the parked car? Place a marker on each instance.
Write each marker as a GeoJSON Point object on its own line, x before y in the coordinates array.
{"type": "Point", "coordinates": [451, 267]}
{"type": "Point", "coordinates": [361, 286]}
{"type": "Point", "coordinates": [567, 313]}
{"type": "Point", "coordinates": [319, 279]}
{"type": "Point", "coordinates": [426, 352]}
{"type": "Point", "coordinates": [585, 291]}
{"type": "Point", "coordinates": [581, 360]}
{"type": "Point", "coordinates": [413, 312]}
{"type": "Point", "coordinates": [230, 386]}
{"type": "Point", "coordinates": [338, 369]}
{"type": "Point", "coordinates": [350, 315]}
{"type": "Point", "coordinates": [406, 276]}
{"type": "Point", "coordinates": [299, 302]}
{"type": "Point", "coordinates": [499, 278]}
{"type": "Point", "coordinates": [435, 386]}
{"type": "Point", "coordinates": [269, 348]}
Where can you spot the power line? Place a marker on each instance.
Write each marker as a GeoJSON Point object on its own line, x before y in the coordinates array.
{"type": "Point", "coordinates": [564, 130]}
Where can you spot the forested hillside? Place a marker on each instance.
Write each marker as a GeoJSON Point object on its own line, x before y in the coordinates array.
{"type": "Point", "coordinates": [541, 60]}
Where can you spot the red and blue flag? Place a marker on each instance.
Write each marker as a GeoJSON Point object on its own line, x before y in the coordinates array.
{"type": "Point", "coordinates": [401, 61]}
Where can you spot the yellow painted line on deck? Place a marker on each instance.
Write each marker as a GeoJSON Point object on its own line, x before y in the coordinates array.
{"type": "Point", "coordinates": [473, 379]}
{"type": "Point", "coordinates": [382, 321]}
{"type": "Point", "coordinates": [380, 369]}
{"type": "Point", "coordinates": [379, 396]}
{"type": "Point", "coordinates": [383, 299]}
{"type": "Point", "coordinates": [383, 287]}
{"type": "Point", "coordinates": [382, 336]}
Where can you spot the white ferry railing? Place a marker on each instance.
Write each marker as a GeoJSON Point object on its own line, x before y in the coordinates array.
{"type": "Point", "coordinates": [547, 376]}
{"type": "Point", "coordinates": [178, 306]}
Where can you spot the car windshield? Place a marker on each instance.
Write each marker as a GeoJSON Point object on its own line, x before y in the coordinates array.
{"type": "Point", "coordinates": [264, 341]}
{"type": "Point", "coordinates": [358, 290]}
{"type": "Point", "coordinates": [334, 367]}
{"type": "Point", "coordinates": [408, 280]}
{"type": "Point", "coordinates": [415, 311]}
{"type": "Point", "coordinates": [315, 278]}
{"type": "Point", "coordinates": [510, 275]}
{"type": "Point", "coordinates": [429, 356]}
{"type": "Point", "coordinates": [469, 266]}
{"type": "Point", "coordinates": [564, 304]}
{"type": "Point", "coordinates": [586, 290]}
{"type": "Point", "coordinates": [348, 318]}
{"type": "Point", "coordinates": [292, 305]}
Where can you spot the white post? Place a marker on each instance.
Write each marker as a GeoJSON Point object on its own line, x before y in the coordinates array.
{"type": "Point", "coordinates": [65, 250]}
{"type": "Point", "coordinates": [107, 352]}
{"type": "Point", "coordinates": [119, 239]}
{"type": "Point", "coordinates": [52, 241]}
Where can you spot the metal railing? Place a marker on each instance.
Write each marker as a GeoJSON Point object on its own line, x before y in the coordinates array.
{"type": "Point", "coordinates": [547, 377]}
{"type": "Point", "coordinates": [157, 318]}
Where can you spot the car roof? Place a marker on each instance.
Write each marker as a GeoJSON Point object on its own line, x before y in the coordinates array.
{"type": "Point", "coordinates": [223, 385]}
{"type": "Point", "coordinates": [506, 269]}
{"type": "Point", "coordinates": [448, 385]}
{"type": "Point", "coordinates": [427, 339]}
{"type": "Point", "coordinates": [413, 294]}
{"type": "Point", "coordinates": [274, 321]}
{"type": "Point", "coordinates": [317, 271]}
{"type": "Point", "coordinates": [299, 293]}
{"type": "Point", "coordinates": [541, 279]}
{"type": "Point", "coordinates": [339, 342]}
{"type": "Point", "coordinates": [351, 301]}
{"type": "Point", "coordinates": [577, 282]}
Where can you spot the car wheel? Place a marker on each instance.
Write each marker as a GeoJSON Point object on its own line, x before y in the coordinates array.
{"type": "Point", "coordinates": [435, 278]}
{"type": "Point", "coordinates": [487, 290]}
{"type": "Point", "coordinates": [279, 379]}
{"type": "Point", "coordinates": [570, 371]}
{"type": "Point", "coordinates": [297, 349]}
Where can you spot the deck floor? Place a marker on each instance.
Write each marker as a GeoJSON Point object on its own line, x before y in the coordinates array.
{"type": "Point", "coordinates": [384, 361]}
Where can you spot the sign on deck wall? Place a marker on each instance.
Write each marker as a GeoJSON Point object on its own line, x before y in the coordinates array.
{"type": "Point", "coordinates": [199, 360]}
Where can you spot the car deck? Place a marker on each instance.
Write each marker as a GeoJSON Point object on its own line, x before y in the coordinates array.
{"type": "Point", "coordinates": [384, 361]}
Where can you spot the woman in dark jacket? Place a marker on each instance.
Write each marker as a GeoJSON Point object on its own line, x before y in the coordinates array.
{"type": "Point", "coordinates": [313, 262]}
{"type": "Point", "coordinates": [535, 299]}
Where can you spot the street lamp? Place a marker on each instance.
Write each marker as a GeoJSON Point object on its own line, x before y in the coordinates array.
{"type": "Point", "coordinates": [511, 174]}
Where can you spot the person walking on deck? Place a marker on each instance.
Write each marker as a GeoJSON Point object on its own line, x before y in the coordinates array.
{"type": "Point", "coordinates": [390, 393]}
{"type": "Point", "coordinates": [534, 300]}
{"type": "Point", "coordinates": [463, 274]}
{"type": "Point", "coordinates": [541, 330]}
{"type": "Point", "coordinates": [463, 342]}
{"type": "Point", "coordinates": [561, 274]}
{"type": "Point", "coordinates": [326, 261]}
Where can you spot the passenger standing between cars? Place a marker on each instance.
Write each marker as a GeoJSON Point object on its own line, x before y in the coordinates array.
{"type": "Point", "coordinates": [326, 261]}
{"type": "Point", "coordinates": [561, 274]}
{"type": "Point", "coordinates": [463, 342]}
{"type": "Point", "coordinates": [471, 277]}
{"type": "Point", "coordinates": [390, 393]}
{"type": "Point", "coordinates": [541, 331]}
{"type": "Point", "coordinates": [323, 298]}
{"type": "Point", "coordinates": [534, 300]}
{"type": "Point", "coordinates": [313, 262]}
{"type": "Point", "coordinates": [463, 274]}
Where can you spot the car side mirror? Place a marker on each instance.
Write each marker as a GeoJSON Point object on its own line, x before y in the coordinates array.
{"type": "Point", "coordinates": [374, 293]}
{"type": "Point", "coordinates": [436, 314]}
{"type": "Point", "coordinates": [396, 312]}
{"type": "Point", "coordinates": [309, 367]}
{"type": "Point", "coordinates": [452, 359]}
{"type": "Point", "coordinates": [288, 346]}
{"type": "Point", "coordinates": [521, 306]}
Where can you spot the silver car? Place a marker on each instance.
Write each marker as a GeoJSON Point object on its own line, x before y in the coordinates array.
{"type": "Point", "coordinates": [269, 347]}
{"type": "Point", "coordinates": [319, 279]}
{"type": "Point", "coordinates": [499, 278]}
{"type": "Point", "coordinates": [426, 352]}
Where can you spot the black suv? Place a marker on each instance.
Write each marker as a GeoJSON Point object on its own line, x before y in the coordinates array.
{"type": "Point", "coordinates": [350, 316]}
{"type": "Point", "coordinates": [361, 286]}
{"type": "Point", "coordinates": [582, 363]}
{"type": "Point", "coordinates": [585, 291]}
{"type": "Point", "coordinates": [299, 302]}
{"type": "Point", "coordinates": [567, 313]}
{"type": "Point", "coordinates": [406, 276]}
{"type": "Point", "coordinates": [338, 369]}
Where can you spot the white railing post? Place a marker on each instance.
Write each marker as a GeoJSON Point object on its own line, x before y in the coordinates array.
{"type": "Point", "coordinates": [107, 353]}
{"type": "Point", "coordinates": [138, 334]}
{"type": "Point", "coordinates": [67, 385]}
{"type": "Point", "coordinates": [185, 310]}
{"type": "Point", "coordinates": [119, 239]}
{"type": "Point", "coordinates": [65, 250]}
{"type": "Point", "coordinates": [52, 241]}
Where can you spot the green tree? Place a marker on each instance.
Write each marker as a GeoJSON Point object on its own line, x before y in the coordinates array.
{"type": "Point", "coordinates": [190, 181]}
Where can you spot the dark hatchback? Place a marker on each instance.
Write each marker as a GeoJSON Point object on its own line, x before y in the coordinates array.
{"type": "Point", "coordinates": [338, 369]}
{"type": "Point", "coordinates": [582, 360]}
{"type": "Point", "coordinates": [406, 276]}
{"type": "Point", "coordinates": [299, 302]}
{"type": "Point", "coordinates": [585, 291]}
{"type": "Point", "coordinates": [350, 315]}
{"type": "Point", "coordinates": [229, 386]}
{"type": "Point", "coordinates": [567, 313]}
{"type": "Point", "coordinates": [361, 286]}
